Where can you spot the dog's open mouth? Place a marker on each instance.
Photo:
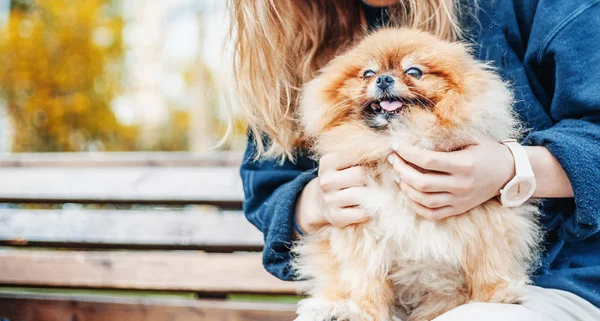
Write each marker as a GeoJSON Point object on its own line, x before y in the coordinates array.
{"type": "Point", "coordinates": [387, 106]}
{"type": "Point", "coordinates": [378, 113]}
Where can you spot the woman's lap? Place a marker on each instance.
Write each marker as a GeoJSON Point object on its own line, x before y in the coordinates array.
{"type": "Point", "coordinates": [539, 305]}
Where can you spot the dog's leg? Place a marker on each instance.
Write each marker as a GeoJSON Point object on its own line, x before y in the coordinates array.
{"type": "Point", "coordinates": [435, 304]}
{"type": "Point", "coordinates": [496, 267]}
{"type": "Point", "coordinates": [496, 278]}
{"type": "Point", "coordinates": [343, 284]}
{"type": "Point", "coordinates": [316, 263]}
{"type": "Point", "coordinates": [430, 292]}
{"type": "Point", "coordinates": [375, 298]}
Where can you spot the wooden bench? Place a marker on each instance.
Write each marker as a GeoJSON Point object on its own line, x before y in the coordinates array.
{"type": "Point", "coordinates": [160, 237]}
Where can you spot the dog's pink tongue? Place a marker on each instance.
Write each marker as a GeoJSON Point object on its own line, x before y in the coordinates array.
{"type": "Point", "coordinates": [390, 105]}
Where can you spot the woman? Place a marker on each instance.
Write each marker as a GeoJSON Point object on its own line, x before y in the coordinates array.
{"type": "Point", "coordinates": [548, 50]}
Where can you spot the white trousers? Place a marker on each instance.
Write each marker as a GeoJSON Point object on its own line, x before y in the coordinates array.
{"type": "Point", "coordinates": [539, 305]}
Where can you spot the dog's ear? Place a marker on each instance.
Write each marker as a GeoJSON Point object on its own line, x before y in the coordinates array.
{"type": "Point", "coordinates": [312, 108]}
{"type": "Point", "coordinates": [495, 116]}
{"type": "Point", "coordinates": [329, 98]}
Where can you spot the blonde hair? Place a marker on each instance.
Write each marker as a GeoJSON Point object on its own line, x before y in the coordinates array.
{"type": "Point", "coordinates": [280, 44]}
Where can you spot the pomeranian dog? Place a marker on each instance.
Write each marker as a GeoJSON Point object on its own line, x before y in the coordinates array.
{"type": "Point", "coordinates": [403, 86]}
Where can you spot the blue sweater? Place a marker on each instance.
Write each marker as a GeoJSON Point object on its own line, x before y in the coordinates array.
{"type": "Point", "coordinates": [550, 51]}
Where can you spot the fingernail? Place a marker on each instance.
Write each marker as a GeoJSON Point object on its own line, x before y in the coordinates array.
{"type": "Point", "coordinates": [391, 159]}
{"type": "Point", "coordinates": [397, 179]}
{"type": "Point", "coordinates": [395, 147]}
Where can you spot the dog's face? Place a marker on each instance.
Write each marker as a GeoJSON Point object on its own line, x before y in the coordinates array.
{"type": "Point", "coordinates": [402, 81]}
{"type": "Point", "coordinates": [392, 84]}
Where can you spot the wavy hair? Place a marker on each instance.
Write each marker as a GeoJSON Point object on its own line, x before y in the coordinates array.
{"type": "Point", "coordinates": [280, 44]}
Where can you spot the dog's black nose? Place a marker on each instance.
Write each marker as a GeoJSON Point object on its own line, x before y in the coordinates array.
{"type": "Point", "coordinates": [384, 81]}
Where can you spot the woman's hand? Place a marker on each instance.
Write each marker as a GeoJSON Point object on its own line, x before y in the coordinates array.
{"type": "Point", "coordinates": [442, 184]}
{"type": "Point", "coordinates": [333, 196]}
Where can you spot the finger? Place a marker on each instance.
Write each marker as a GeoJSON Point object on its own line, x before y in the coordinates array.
{"type": "Point", "coordinates": [429, 200]}
{"type": "Point", "coordinates": [334, 162]}
{"type": "Point", "coordinates": [347, 216]}
{"type": "Point", "coordinates": [345, 198]}
{"type": "Point", "coordinates": [349, 177]}
{"type": "Point", "coordinates": [424, 182]}
{"type": "Point", "coordinates": [433, 214]}
{"type": "Point", "coordinates": [427, 159]}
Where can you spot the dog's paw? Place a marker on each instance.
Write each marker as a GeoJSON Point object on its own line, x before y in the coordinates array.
{"type": "Point", "coordinates": [322, 310]}
{"type": "Point", "coordinates": [314, 310]}
{"type": "Point", "coordinates": [512, 293]}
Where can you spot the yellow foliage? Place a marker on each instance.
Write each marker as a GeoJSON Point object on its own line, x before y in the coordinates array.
{"type": "Point", "coordinates": [60, 67]}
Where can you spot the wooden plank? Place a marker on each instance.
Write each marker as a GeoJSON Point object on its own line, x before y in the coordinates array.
{"type": "Point", "coordinates": [198, 229]}
{"type": "Point", "coordinates": [69, 308]}
{"type": "Point", "coordinates": [211, 185]}
{"type": "Point", "coordinates": [142, 270]}
{"type": "Point", "coordinates": [120, 159]}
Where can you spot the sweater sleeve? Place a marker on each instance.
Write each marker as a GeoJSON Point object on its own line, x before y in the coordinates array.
{"type": "Point", "coordinates": [572, 51]}
{"type": "Point", "coordinates": [271, 189]}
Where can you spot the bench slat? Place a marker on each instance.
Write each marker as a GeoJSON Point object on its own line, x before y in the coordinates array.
{"type": "Point", "coordinates": [155, 229]}
{"type": "Point", "coordinates": [68, 308]}
{"type": "Point", "coordinates": [141, 270]}
{"type": "Point", "coordinates": [112, 159]}
{"type": "Point", "coordinates": [210, 185]}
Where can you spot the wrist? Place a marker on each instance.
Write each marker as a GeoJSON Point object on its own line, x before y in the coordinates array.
{"type": "Point", "coordinates": [309, 214]}
{"type": "Point", "coordinates": [553, 182]}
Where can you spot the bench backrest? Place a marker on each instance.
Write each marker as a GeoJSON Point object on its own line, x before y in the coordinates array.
{"type": "Point", "coordinates": [157, 178]}
{"type": "Point", "coordinates": [203, 244]}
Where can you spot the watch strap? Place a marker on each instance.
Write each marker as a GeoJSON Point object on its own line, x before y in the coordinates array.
{"type": "Point", "coordinates": [523, 175]}
{"type": "Point", "coordinates": [522, 164]}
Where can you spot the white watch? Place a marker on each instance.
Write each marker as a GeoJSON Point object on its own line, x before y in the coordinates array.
{"type": "Point", "coordinates": [519, 189]}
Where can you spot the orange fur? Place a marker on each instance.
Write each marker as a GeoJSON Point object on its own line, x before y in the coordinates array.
{"type": "Point", "coordinates": [398, 259]}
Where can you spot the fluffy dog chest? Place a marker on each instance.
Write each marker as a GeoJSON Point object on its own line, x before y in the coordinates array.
{"type": "Point", "coordinates": [413, 239]}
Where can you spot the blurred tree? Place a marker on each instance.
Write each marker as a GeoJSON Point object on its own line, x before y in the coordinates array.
{"type": "Point", "coordinates": [60, 68]}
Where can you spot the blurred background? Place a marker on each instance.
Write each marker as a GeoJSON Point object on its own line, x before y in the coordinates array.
{"type": "Point", "coordinates": [118, 198]}
{"type": "Point", "coordinates": [114, 75]}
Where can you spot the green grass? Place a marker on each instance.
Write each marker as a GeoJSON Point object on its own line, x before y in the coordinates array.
{"type": "Point", "coordinates": [146, 294]}
{"type": "Point", "coordinates": [264, 298]}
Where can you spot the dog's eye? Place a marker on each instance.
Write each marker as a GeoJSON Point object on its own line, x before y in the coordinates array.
{"type": "Point", "coordinates": [414, 72]}
{"type": "Point", "coordinates": [368, 73]}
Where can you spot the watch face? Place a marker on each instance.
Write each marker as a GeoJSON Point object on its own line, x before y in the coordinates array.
{"type": "Point", "coordinates": [518, 191]}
